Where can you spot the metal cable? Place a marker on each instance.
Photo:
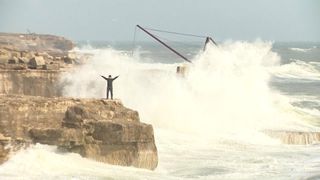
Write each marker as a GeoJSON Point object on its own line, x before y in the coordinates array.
{"type": "Point", "coordinates": [177, 33]}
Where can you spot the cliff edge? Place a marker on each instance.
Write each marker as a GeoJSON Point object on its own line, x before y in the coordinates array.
{"type": "Point", "coordinates": [102, 130]}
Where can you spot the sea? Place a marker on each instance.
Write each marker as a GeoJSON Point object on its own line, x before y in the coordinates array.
{"type": "Point", "coordinates": [210, 122]}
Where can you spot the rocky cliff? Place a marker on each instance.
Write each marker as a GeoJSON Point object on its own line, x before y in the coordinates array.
{"type": "Point", "coordinates": [106, 131]}
{"type": "Point", "coordinates": [30, 82]}
{"type": "Point", "coordinates": [35, 51]}
{"type": "Point", "coordinates": [295, 137]}
{"type": "Point", "coordinates": [30, 64]}
{"type": "Point", "coordinates": [102, 130]}
{"type": "Point", "coordinates": [53, 45]}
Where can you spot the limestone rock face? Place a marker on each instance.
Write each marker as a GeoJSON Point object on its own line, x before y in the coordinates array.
{"type": "Point", "coordinates": [30, 82]}
{"type": "Point", "coordinates": [37, 51]}
{"type": "Point", "coordinates": [4, 56]}
{"type": "Point", "coordinates": [102, 130]}
{"type": "Point", "coordinates": [36, 62]}
{"type": "Point", "coordinates": [53, 45]}
{"type": "Point", "coordinates": [295, 137]}
{"type": "Point", "coordinates": [4, 150]}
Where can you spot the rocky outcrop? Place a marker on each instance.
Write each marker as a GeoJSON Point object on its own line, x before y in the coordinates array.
{"type": "Point", "coordinates": [30, 82]}
{"type": "Point", "coordinates": [30, 64]}
{"type": "Point", "coordinates": [106, 131]}
{"type": "Point", "coordinates": [21, 43]}
{"type": "Point", "coordinates": [295, 137]}
{"type": "Point", "coordinates": [35, 51]}
{"type": "Point", "coordinates": [102, 130]}
{"type": "Point", "coordinates": [4, 148]}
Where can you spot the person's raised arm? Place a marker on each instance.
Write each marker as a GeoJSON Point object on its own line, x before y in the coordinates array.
{"type": "Point", "coordinates": [104, 77]}
{"type": "Point", "coordinates": [115, 78]}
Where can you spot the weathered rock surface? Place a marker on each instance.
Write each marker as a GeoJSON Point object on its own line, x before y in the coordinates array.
{"type": "Point", "coordinates": [31, 82]}
{"type": "Point", "coordinates": [53, 45]}
{"type": "Point", "coordinates": [295, 137]}
{"type": "Point", "coordinates": [31, 64]}
{"type": "Point", "coordinates": [102, 130]}
{"type": "Point", "coordinates": [36, 51]}
{"type": "Point", "coordinates": [4, 150]}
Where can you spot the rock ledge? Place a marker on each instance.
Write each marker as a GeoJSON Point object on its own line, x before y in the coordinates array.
{"type": "Point", "coordinates": [102, 130]}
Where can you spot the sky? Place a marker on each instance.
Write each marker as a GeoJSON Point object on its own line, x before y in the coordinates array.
{"type": "Point", "coordinates": [114, 20]}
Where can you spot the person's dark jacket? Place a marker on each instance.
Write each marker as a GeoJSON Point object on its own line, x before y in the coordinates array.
{"type": "Point", "coordinates": [109, 81]}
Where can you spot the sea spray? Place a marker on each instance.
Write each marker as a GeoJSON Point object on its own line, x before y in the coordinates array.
{"type": "Point", "coordinates": [226, 91]}
{"type": "Point", "coordinates": [162, 98]}
{"type": "Point", "coordinates": [46, 162]}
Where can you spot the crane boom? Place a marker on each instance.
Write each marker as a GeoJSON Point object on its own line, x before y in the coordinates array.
{"type": "Point", "coordinates": [164, 44]}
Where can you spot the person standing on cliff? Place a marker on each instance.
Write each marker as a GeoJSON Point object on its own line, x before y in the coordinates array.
{"type": "Point", "coordinates": [109, 85]}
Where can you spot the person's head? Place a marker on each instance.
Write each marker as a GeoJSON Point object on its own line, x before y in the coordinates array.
{"type": "Point", "coordinates": [109, 76]}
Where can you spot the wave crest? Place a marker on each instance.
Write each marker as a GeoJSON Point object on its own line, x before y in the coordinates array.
{"type": "Point", "coordinates": [226, 90]}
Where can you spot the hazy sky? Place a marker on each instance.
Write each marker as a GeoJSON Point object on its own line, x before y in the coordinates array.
{"type": "Point", "coordinates": [280, 20]}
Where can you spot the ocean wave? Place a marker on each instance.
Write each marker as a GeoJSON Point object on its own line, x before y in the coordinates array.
{"type": "Point", "coordinates": [311, 111]}
{"type": "Point", "coordinates": [302, 49]}
{"type": "Point", "coordinates": [181, 156]}
{"type": "Point", "coordinates": [46, 162]}
{"type": "Point", "coordinates": [298, 70]}
{"type": "Point", "coordinates": [226, 89]}
{"type": "Point", "coordinates": [224, 97]}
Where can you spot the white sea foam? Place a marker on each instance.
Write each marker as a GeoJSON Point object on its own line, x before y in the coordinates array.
{"type": "Point", "coordinates": [224, 101]}
{"type": "Point", "coordinates": [309, 98]}
{"type": "Point", "coordinates": [302, 49]}
{"type": "Point", "coordinates": [298, 70]}
{"type": "Point", "coordinates": [226, 90]}
{"type": "Point", "coordinates": [313, 111]}
{"type": "Point", "coordinates": [45, 162]}
{"type": "Point", "coordinates": [181, 156]}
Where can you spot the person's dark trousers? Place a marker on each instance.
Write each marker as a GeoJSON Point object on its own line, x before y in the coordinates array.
{"type": "Point", "coordinates": [111, 93]}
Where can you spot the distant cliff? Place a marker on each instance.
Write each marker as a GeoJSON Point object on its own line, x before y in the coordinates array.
{"type": "Point", "coordinates": [102, 130]}
{"type": "Point", "coordinates": [31, 64]}
{"type": "Point", "coordinates": [35, 52]}
{"type": "Point", "coordinates": [53, 45]}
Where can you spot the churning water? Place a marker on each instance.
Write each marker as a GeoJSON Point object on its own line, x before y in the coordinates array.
{"type": "Point", "coordinates": [208, 124]}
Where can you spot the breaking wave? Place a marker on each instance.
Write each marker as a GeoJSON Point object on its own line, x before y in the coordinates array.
{"type": "Point", "coordinates": [45, 162]}
{"type": "Point", "coordinates": [299, 70]}
{"type": "Point", "coordinates": [302, 49]}
{"type": "Point", "coordinates": [226, 90]}
{"type": "Point", "coordinates": [225, 96]}
{"type": "Point", "coordinates": [181, 157]}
